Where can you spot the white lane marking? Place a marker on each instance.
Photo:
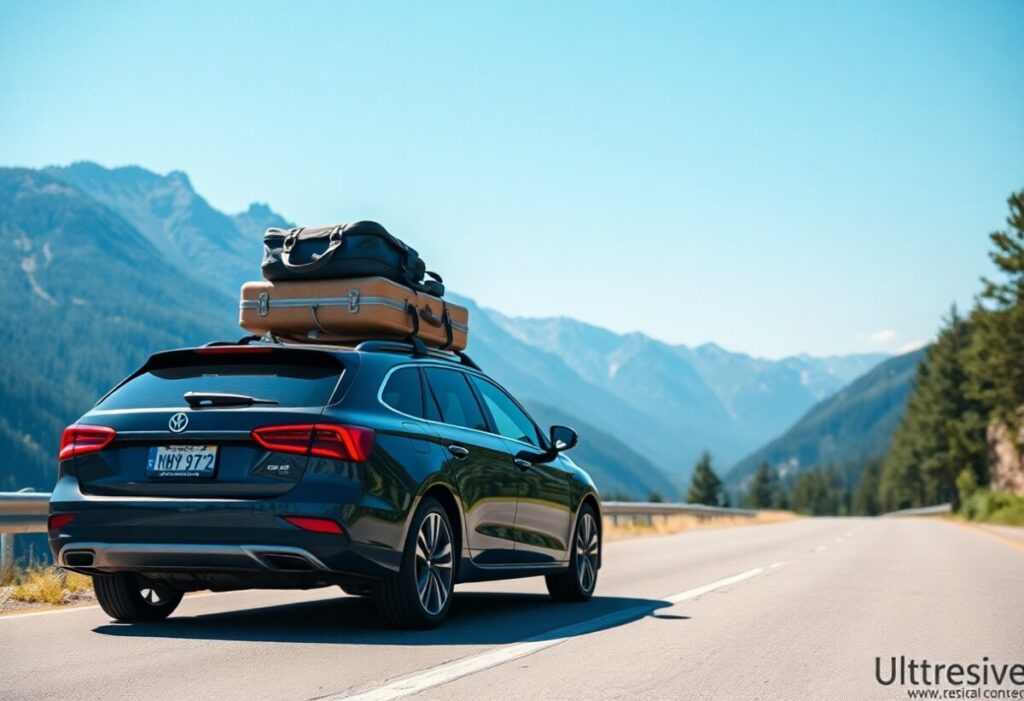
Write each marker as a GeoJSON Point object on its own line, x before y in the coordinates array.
{"type": "Point", "coordinates": [47, 612]}
{"type": "Point", "coordinates": [820, 548]}
{"type": "Point", "coordinates": [90, 607]}
{"type": "Point", "coordinates": [839, 540]}
{"type": "Point", "coordinates": [776, 565]}
{"type": "Point", "coordinates": [694, 593]}
{"type": "Point", "coordinates": [445, 673]}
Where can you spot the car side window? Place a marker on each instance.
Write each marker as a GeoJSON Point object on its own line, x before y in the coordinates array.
{"type": "Point", "coordinates": [404, 392]}
{"type": "Point", "coordinates": [455, 399]}
{"type": "Point", "coordinates": [509, 420]}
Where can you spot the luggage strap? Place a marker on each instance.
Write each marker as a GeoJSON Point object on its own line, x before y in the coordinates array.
{"type": "Point", "coordinates": [316, 320]}
{"type": "Point", "coordinates": [421, 285]}
{"type": "Point", "coordinates": [419, 347]}
{"type": "Point", "coordinates": [446, 317]}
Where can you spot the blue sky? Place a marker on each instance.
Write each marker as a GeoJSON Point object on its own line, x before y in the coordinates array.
{"type": "Point", "coordinates": [775, 177]}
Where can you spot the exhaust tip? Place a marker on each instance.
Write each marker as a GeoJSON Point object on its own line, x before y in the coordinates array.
{"type": "Point", "coordinates": [286, 562]}
{"type": "Point", "coordinates": [79, 558]}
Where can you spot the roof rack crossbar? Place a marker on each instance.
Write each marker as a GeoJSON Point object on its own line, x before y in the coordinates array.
{"type": "Point", "coordinates": [407, 346]}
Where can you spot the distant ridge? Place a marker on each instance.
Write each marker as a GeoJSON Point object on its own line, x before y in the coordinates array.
{"type": "Point", "coordinates": [254, 221]}
{"type": "Point", "coordinates": [845, 429]}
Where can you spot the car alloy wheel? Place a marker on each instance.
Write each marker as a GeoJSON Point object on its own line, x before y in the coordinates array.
{"type": "Point", "coordinates": [588, 547]}
{"type": "Point", "coordinates": [155, 593]}
{"type": "Point", "coordinates": [434, 564]}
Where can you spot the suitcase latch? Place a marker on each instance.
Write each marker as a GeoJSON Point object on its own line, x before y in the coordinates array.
{"type": "Point", "coordinates": [263, 304]}
{"type": "Point", "coordinates": [353, 301]}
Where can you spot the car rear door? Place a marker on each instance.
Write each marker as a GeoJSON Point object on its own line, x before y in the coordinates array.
{"type": "Point", "coordinates": [543, 512]}
{"type": "Point", "coordinates": [164, 446]}
{"type": "Point", "coordinates": [488, 481]}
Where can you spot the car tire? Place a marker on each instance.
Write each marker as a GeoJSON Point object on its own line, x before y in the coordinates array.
{"type": "Point", "coordinates": [577, 583]}
{"type": "Point", "coordinates": [421, 594]}
{"type": "Point", "coordinates": [133, 598]}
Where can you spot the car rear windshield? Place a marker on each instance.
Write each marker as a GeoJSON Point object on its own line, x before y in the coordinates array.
{"type": "Point", "coordinates": [287, 384]}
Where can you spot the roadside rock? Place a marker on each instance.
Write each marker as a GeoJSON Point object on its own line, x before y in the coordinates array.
{"type": "Point", "coordinates": [1006, 471]}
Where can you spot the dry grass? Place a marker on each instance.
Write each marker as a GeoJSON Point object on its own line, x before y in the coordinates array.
{"type": "Point", "coordinates": [676, 523]}
{"type": "Point", "coordinates": [50, 585]}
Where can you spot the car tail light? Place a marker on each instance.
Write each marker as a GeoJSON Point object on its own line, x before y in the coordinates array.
{"type": "Point", "coordinates": [342, 442]}
{"type": "Point", "coordinates": [82, 440]}
{"type": "Point", "coordinates": [352, 443]}
{"type": "Point", "coordinates": [58, 521]}
{"type": "Point", "coordinates": [285, 439]}
{"type": "Point", "coordinates": [317, 525]}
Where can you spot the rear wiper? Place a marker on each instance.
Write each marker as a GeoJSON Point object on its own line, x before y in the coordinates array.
{"type": "Point", "coordinates": [198, 400]}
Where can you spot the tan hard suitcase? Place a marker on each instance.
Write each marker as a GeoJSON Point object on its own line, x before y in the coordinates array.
{"type": "Point", "coordinates": [356, 309]}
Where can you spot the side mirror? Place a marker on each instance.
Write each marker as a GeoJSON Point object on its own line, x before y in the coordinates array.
{"type": "Point", "coordinates": [563, 438]}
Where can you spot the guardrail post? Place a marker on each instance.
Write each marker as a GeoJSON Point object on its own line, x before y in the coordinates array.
{"type": "Point", "coordinates": [6, 557]}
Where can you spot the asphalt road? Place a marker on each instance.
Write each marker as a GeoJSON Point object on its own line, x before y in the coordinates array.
{"type": "Point", "coordinates": [787, 611]}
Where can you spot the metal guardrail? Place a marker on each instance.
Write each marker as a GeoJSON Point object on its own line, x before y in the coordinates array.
{"type": "Point", "coordinates": [645, 512]}
{"type": "Point", "coordinates": [26, 512]}
{"type": "Point", "coordinates": [936, 510]}
{"type": "Point", "coordinates": [20, 512]}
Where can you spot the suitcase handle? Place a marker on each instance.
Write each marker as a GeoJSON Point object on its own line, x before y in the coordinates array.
{"type": "Point", "coordinates": [319, 259]}
{"type": "Point", "coordinates": [427, 314]}
{"type": "Point", "coordinates": [445, 320]}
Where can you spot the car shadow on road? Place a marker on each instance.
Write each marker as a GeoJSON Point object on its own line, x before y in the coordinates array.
{"type": "Point", "coordinates": [475, 618]}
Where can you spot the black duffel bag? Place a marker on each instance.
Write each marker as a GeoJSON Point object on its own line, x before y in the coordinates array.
{"type": "Point", "coordinates": [359, 249]}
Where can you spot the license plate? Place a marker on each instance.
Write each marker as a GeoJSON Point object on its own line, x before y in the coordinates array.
{"type": "Point", "coordinates": [182, 461]}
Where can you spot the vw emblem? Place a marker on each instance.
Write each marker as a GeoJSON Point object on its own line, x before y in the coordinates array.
{"type": "Point", "coordinates": [178, 422]}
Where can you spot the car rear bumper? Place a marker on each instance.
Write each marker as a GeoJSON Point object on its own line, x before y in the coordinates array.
{"type": "Point", "coordinates": [222, 543]}
{"type": "Point", "coordinates": [188, 557]}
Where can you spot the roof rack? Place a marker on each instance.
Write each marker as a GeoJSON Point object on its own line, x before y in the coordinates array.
{"type": "Point", "coordinates": [419, 349]}
{"type": "Point", "coordinates": [415, 347]}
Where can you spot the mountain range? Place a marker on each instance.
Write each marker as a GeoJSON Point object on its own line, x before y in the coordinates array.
{"type": "Point", "coordinates": [112, 264]}
{"type": "Point", "coordinates": [845, 430]}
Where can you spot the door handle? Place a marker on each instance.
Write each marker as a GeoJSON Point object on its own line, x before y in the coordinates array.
{"type": "Point", "coordinates": [458, 452]}
{"type": "Point", "coordinates": [522, 463]}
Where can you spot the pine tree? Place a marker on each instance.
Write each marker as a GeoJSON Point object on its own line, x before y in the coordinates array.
{"type": "Point", "coordinates": [865, 497]}
{"type": "Point", "coordinates": [820, 492]}
{"type": "Point", "coordinates": [998, 349]}
{"type": "Point", "coordinates": [705, 487]}
{"type": "Point", "coordinates": [764, 488]}
{"type": "Point", "coordinates": [943, 429]}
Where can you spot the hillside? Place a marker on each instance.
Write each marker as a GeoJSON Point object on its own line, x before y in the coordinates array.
{"type": "Point", "coordinates": [767, 396]}
{"type": "Point", "coordinates": [856, 423]}
{"type": "Point", "coordinates": [219, 249]}
{"type": "Point", "coordinates": [86, 299]}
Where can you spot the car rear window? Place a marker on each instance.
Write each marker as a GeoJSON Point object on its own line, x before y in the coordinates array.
{"type": "Point", "coordinates": [290, 385]}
